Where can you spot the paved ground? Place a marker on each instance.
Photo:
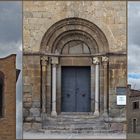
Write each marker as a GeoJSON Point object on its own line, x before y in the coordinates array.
{"type": "Point", "coordinates": [133, 136]}
{"type": "Point", "coordinates": [39, 135]}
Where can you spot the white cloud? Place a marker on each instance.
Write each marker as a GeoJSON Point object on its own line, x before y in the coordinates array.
{"type": "Point", "coordinates": [135, 83]}
{"type": "Point", "coordinates": [12, 48]}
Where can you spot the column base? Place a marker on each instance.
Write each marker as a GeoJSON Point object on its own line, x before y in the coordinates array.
{"type": "Point", "coordinates": [105, 114]}
{"type": "Point", "coordinates": [53, 114]}
{"type": "Point", "coordinates": [96, 113]}
{"type": "Point", "coordinates": [44, 116]}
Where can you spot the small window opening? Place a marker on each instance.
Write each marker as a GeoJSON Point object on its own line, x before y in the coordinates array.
{"type": "Point", "coordinates": [136, 105]}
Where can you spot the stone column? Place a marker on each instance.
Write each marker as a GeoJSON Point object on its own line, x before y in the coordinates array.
{"type": "Point", "coordinates": [96, 62]}
{"type": "Point", "coordinates": [54, 63]}
{"type": "Point", "coordinates": [105, 64]}
{"type": "Point", "coordinates": [44, 61]}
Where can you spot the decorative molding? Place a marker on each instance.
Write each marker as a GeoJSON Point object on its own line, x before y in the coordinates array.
{"type": "Point", "coordinates": [76, 26]}
{"type": "Point", "coordinates": [105, 59]}
{"type": "Point", "coordinates": [44, 60]}
{"type": "Point", "coordinates": [54, 60]}
{"type": "Point", "coordinates": [95, 60]}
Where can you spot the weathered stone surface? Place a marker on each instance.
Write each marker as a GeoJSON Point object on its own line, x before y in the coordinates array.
{"type": "Point", "coordinates": [38, 119]}
{"type": "Point", "coordinates": [27, 88]}
{"type": "Point", "coordinates": [29, 119]}
{"type": "Point", "coordinates": [34, 112]}
{"type": "Point", "coordinates": [27, 126]}
{"type": "Point", "coordinates": [39, 16]}
{"type": "Point", "coordinates": [117, 126]}
{"type": "Point", "coordinates": [36, 104]}
{"type": "Point", "coordinates": [25, 112]}
{"type": "Point", "coordinates": [27, 105]}
{"type": "Point", "coordinates": [108, 21]}
{"type": "Point", "coordinates": [36, 126]}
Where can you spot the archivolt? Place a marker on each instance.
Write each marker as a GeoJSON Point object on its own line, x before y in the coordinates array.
{"type": "Point", "coordinates": [70, 29]}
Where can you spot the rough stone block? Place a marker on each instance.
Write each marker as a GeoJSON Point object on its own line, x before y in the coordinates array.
{"type": "Point", "coordinates": [36, 126]}
{"type": "Point", "coordinates": [117, 126]}
{"type": "Point", "coordinates": [27, 105]}
{"type": "Point", "coordinates": [27, 126]}
{"type": "Point", "coordinates": [35, 112]}
{"type": "Point", "coordinates": [38, 119]}
{"type": "Point", "coordinates": [25, 112]}
{"type": "Point", "coordinates": [36, 104]}
{"type": "Point", "coordinates": [29, 119]}
{"type": "Point", "coordinates": [27, 88]}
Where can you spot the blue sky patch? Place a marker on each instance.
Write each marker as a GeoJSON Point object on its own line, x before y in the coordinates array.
{"type": "Point", "coordinates": [134, 75]}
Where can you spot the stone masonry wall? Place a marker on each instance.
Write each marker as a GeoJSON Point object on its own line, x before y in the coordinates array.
{"type": "Point", "coordinates": [117, 78]}
{"type": "Point", "coordinates": [109, 16]}
{"type": "Point", "coordinates": [39, 16]}
{"type": "Point", "coordinates": [31, 100]}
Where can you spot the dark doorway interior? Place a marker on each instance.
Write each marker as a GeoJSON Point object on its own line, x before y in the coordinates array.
{"type": "Point", "coordinates": [75, 89]}
{"type": "Point", "coordinates": [134, 125]}
{"type": "Point", "coordinates": [1, 97]}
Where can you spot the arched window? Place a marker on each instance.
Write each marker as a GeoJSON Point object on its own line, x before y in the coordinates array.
{"type": "Point", "coordinates": [1, 93]}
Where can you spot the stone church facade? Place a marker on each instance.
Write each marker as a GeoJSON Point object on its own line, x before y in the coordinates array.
{"type": "Point", "coordinates": [8, 98]}
{"type": "Point", "coordinates": [74, 59]}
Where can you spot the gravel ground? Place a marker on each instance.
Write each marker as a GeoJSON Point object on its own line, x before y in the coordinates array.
{"type": "Point", "coordinates": [133, 136]}
{"type": "Point", "coordinates": [39, 135]}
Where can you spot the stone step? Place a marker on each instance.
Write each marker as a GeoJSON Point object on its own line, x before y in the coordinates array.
{"type": "Point", "coordinates": [73, 119]}
{"type": "Point", "coordinates": [76, 119]}
{"type": "Point", "coordinates": [79, 131]}
{"type": "Point", "coordinates": [74, 123]}
{"type": "Point", "coordinates": [75, 126]}
{"type": "Point", "coordinates": [69, 128]}
{"type": "Point", "coordinates": [77, 116]}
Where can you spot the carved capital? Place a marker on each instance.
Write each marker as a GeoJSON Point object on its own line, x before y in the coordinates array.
{"type": "Point", "coordinates": [95, 60]}
{"type": "Point", "coordinates": [54, 60]}
{"type": "Point", "coordinates": [44, 60]}
{"type": "Point", "coordinates": [105, 59]}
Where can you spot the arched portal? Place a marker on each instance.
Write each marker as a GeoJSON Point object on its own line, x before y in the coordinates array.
{"type": "Point", "coordinates": [74, 62]}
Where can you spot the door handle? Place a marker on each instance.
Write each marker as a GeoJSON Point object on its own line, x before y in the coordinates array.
{"type": "Point", "coordinates": [83, 95]}
{"type": "Point", "coordinates": [68, 95]}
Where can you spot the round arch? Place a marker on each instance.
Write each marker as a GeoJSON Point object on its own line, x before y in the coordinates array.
{"type": "Point", "coordinates": [65, 35]}
{"type": "Point", "coordinates": [68, 29]}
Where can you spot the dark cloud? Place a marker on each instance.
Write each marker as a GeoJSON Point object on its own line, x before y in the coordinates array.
{"type": "Point", "coordinates": [10, 21]}
{"type": "Point", "coordinates": [133, 58]}
{"type": "Point", "coordinates": [134, 23]}
{"type": "Point", "coordinates": [134, 43]}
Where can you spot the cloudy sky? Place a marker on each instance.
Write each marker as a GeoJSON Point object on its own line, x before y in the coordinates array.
{"type": "Point", "coordinates": [134, 44]}
{"type": "Point", "coordinates": [11, 42]}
